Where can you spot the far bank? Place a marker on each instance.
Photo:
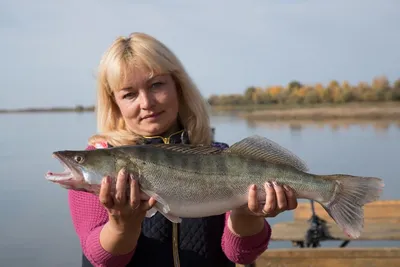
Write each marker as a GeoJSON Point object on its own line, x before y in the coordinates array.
{"type": "Point", "coordinates": [368, 111]}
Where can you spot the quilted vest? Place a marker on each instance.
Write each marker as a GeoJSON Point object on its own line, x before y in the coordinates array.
{"type": "Point", "coordinates": [193, 242]}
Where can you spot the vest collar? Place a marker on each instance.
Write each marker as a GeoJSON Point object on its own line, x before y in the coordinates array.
{"type": "Point", "coordinates": [175, 138]}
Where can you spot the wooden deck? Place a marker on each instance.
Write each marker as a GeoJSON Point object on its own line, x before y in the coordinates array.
{"type": "Point", "coordinates": [331, 257]}
{"type": "Point", "coordinates": [381, 222]}
{"type": "Point", "coordinates": [382, 210]}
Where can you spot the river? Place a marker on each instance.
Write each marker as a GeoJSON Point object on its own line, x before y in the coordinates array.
{"type": "Point", "coordinates": [35, 227]}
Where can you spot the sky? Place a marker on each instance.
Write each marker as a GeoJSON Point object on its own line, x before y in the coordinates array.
{"type": "Point", "coordinates": [50, 50]}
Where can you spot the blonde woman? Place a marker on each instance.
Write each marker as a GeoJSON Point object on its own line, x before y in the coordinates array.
{"type": "Point", "coordinates": [143, 90]}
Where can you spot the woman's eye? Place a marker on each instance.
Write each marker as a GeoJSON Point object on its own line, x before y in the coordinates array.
{"type": "Point", "coordinates": [130, 95]}
{"type": "Point", "coordinates": [156, 85]}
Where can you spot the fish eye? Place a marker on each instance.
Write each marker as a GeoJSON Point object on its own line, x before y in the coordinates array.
{"type": "Point", "coordinates": [79, 159]}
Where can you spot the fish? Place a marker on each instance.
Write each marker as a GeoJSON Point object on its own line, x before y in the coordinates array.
{"type": "Point", "coordinates": [192, 181]}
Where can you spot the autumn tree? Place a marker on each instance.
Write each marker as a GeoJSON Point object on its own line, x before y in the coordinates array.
{"type": "Point", "coordinates": [295, 92]}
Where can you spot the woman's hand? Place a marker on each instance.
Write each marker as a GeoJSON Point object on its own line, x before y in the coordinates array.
{"type": "Point", "coordinates": [126, 205]}
{"type": "Point", "coordinates": [278, 199]}
{"type": "Point", "coordinates": [250, 219]}
{"type": "Point", "coordinates": [126, 208]}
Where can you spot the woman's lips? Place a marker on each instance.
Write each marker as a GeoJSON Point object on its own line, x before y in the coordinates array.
{"type": "Point", "coordinates": [152, 116]}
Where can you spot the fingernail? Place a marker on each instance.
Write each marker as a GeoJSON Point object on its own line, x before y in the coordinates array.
{"type": "Point", "coordinates": [253, 187]}
{"type": "Point", "coordinates": [275, 183]}
{"type": "Point", "coordinates": [131, 176]}
{"type": "Point", "coordinates": [286, 187]}
{"type": "Point", "coordinates": [123, 171]}
{"type": "Point", "coordinates": [268, 184]}
{"type": "Point", "coordinates": [104, 180]}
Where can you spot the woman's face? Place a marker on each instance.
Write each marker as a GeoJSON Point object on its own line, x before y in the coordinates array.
{"type": "Point", "coordinates": [149, 106]}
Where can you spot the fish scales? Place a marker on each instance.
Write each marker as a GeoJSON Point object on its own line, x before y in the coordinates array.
{"type": "Point", "coordinates": [193, 181]}
{"type": "Point", "coordinates": [205, 178]}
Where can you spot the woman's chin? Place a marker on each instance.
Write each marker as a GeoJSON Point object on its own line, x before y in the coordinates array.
{"type": "Point", "coordinates": [155, 129]}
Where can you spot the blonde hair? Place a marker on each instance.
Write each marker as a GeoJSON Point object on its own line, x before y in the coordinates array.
{"type": "Point", "coordinates": [137, 51]}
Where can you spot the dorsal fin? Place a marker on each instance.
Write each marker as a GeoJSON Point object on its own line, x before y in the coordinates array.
{"type": "Point", "coordinates": [189, 149]}
{"type": "Point", "coordinates": [261, 148]}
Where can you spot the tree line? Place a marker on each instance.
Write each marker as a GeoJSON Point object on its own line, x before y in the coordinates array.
{"type": "Point", "coordinates": [297, 93]}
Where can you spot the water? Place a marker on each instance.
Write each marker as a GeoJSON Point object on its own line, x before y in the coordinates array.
{"type": "Point", "coordinates": [35, 227]}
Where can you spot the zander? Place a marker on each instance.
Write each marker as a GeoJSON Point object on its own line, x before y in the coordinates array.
{"type": "Point", "coordinates": [198, 181]}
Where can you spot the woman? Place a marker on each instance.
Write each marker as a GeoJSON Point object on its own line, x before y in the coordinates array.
{"type": "Point", "coordinates": [144, 91]}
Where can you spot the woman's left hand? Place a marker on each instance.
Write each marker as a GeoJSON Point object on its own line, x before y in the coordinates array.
{"type": "Point", "coordinates": [279, 198]}
{"type": "Point", "coordinates": [250, 219]}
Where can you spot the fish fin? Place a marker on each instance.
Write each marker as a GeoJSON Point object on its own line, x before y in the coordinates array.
{"type": "Point", "coordinates": [161, 204]}
{"type": "Point", "coordinates": [151, 212]}
{"type": "Point", "coordinates": [261, 148]}
{"type": "Point", "coordinates": [351, 194]}
{"type": "Point", "coordinates": [189, 149]}
{"type": "Point", "coordinates": [171, 217]}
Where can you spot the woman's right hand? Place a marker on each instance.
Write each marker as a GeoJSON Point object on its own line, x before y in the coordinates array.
{"type": "Point", "coordinates": [126, 207]}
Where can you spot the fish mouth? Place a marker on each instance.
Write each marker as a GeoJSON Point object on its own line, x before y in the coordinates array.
{"type": "Point", "coordinates": [70, 176]}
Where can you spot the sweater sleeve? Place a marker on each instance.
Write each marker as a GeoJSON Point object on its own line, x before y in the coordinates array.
{"type": "Point", "coordinates": [244, 250]}
{"type": "Point", "coordinates": [88, 218]}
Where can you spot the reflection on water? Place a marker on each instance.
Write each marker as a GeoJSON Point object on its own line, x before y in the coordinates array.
{"type": "Point", "coordinates": [379, 126]}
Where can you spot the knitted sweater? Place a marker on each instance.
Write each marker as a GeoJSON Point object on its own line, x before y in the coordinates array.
{"type": "Point", "coordinates": [89, 216]}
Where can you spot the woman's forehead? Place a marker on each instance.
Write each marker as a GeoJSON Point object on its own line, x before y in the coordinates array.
{"type": "Point", "coordinates": [137, 78]}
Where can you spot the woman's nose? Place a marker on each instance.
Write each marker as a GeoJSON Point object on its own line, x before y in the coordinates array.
{"type": "Point", "coordinates": [146, 100]}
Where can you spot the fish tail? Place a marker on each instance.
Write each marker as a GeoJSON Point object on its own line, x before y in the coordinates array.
{"type": "Point", "coordinates": [351, 194]}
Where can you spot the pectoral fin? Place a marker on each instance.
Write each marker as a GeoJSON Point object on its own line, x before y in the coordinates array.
{"type": "Point", "coordinates": [170, 217]}
{"type": "Point", "coordinates": [150, 213]}
{"type": "Point", "coordinates": [161, 203]}
{"type": "Point", "coordinates": [161, 206]}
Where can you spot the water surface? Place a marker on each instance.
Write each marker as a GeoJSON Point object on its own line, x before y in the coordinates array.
{"type": "Point", "coordinates": [35, 227]}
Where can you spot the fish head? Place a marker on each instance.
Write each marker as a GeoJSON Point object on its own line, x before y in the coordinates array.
{"type": "Point", "coordinates": [83, 169]}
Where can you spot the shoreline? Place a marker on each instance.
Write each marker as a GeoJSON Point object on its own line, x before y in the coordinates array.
{"type": "Point", "coordinates": [47, 110]}
{"type": "Point", "coordinates": [358, 111]}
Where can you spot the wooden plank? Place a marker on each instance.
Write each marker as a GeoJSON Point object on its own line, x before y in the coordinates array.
{"type": "Point", "coordinates": [387, 210]}
{"type": "Point", "coordinates": [330, 257]}
{"type": "Point", "coordinates": [296, 230]}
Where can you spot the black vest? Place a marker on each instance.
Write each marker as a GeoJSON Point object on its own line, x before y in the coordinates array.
{"type": "Point", "coordinates": [199, 239]}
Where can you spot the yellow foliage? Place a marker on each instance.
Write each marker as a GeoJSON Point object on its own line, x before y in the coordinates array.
{"type": "Point", "coordinates": [319, 88]}
{"type": "Point", "coordinates": [346, 85]}
{"type": "Point", "coordinates": [379, 90]}
{"type": "Point", "coordinates": [302, 92]}
{"type": "Point", "coordinates": [274, 90]}
{"type": "Point", "coordinates": [333, 84]}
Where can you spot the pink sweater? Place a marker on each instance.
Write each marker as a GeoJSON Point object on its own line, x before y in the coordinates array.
{"type": "Point", "coordinates": [89, 216]}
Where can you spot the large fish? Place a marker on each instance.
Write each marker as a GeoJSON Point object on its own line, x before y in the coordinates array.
{"type": "Point", "coordinates": [197, 181]}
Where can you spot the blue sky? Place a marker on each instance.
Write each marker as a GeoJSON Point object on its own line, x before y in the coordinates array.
{"type": "Point", "coordinates": [49, 50]}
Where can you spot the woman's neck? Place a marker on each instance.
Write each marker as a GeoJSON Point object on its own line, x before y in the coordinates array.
{"type": "Point", "coordinates": [172, 130]}
{"type": "Point", "coordinates": [176, 127]}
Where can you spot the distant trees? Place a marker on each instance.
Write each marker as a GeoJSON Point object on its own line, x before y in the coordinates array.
{"type": "Point", "coordinates": [297, 93]}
